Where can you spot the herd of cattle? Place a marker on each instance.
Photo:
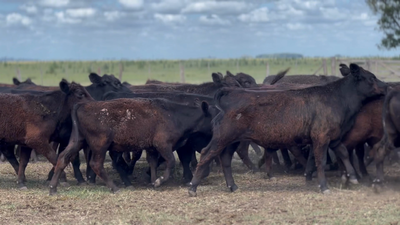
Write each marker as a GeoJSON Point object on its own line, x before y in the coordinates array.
{"type": "Point", "coordinates": [215, 119]}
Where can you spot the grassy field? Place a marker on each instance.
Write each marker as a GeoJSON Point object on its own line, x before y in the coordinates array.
{"type": "Point", "coordinates": [286, 200]}
{"type": "Point", "coordinates": [137, 72]}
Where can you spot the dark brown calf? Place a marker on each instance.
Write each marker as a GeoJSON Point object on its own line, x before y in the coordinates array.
{"type": "Point", "coordinates": [131, 124]}
{"type": "Point", "coordinates": [318, 115]}
{"type": "Point", "coordinates": [33, 120]}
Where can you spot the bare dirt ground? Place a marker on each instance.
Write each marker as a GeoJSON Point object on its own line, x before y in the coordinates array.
{"type": "Point", "coordinates": [286, 200]}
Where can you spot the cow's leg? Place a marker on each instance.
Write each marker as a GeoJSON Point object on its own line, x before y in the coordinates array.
{"type": "Point", "coordinates": [2, 157]}
{"type": "Point", "coordinates": [97, 164]}
{"type": "Point", "coordinates": [8, 152]}
{"type": "Point", "coordinates": [380, 150]}
{"type": "Point", "coordinates": [256, 148]}
{"type": "Point", "coordinates": [127, 157]}
{"type": "Point", "coordinates": [168, 155]}
{"type": "Point", "coordinates": [226, 161]}
{"type": "Point", "coordinates": [25, 153]}
{"type": "Point", "coordinates": [310, 168]}
{"type": "Point", "coordinates": [117, 157]}
{"type": "Point", "coordinates": [286, 158]}
{"type": "Point", "coordinates": [135, 158]}
{"type": "Point", "coordinates": [212, 150]}
{"type": "Point", "coordinates": [152, 158]}
{"type": "Point", "coordinates": [243, 152]}
{"type": "Point", "coordinates": [34, 156]}
{"type": "Point", "coordinates": [342, 152]}
{"type": "Point", "coordinates": [193, 162]}
{"type": "Point", "coordinates": [185, 154]}
{"type": "Point", "coordinates": [268, 154]}
{"type": "Point", "coordinates": [90, 174]}
{"type": "Point", "coordinates": [275, 158]}
{"type": "Point", "coordinates": [298, 155]}
{"type": "Point", "coordinates": [320, 149]}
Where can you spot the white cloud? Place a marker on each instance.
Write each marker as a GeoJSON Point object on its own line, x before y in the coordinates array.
{"type": "Point", "coordinates": [333, 14]}
{"type": "Point", "coordinates": [169, 5]}
{"type": "Point", "coordinates": [170, 18]}
{"type": "Point", "coordinates": [216, 7]}
{"type": "Point", "coordinates": [297, 26]}
{"type": "Point", "coordinates": [29, 8]}
{"type": "Point", "coordinates": [256, 16]}
{"type": "Point", "coordinates": [62, 18]}
{"type": "Point", "coordinates": [213, 20]}
{"type": "Point", "coordinates": [132, 4]}
{"type": "Point", "coordinates": [54, 3]}
{"type": "Point", "coordinates": [80, 13]}
{"type": "Point", "coordinates": [18, 19]}
{"type": "Point", "coordinates": [113, 15]}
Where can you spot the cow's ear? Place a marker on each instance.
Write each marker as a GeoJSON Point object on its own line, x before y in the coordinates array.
{"type": "Point", "coordinates": [217, 78]}
{"type": "Point", "coordinates": [28, 80]}
{"type": "Point", "coordinates": [228, 73]}
{"type": "Point", "coordinates": [355, 70]}
{"type": "Point", "coordinates": [64, 86]}
{"type": "Point", "coordinates": [16, 81]}
{"type": "Point", "coordinates": [95, 78]}
{"type": "Point", "coordinates": [204, 107]}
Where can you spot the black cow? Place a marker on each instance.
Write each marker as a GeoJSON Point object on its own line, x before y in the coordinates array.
{"type": "Point", "coordinates": [391, 134]}
{"type": "Point", "coordinates": [160, 125]}
{"type": "Point", "coordinates": [318, 115]}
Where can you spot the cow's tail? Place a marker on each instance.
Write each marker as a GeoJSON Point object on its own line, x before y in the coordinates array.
{"type": "Point", "coordinates": [72, 148]}
{"type": "Point", "coordinates": [385, 111]}
{"type": "Point", "coordinates": [217, 99]}
{"type": "Point", "coordinates": [279, 76]}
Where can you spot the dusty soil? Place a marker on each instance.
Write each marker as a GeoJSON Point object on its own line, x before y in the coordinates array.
{"type": "Point", "coordinates": [286, 200]}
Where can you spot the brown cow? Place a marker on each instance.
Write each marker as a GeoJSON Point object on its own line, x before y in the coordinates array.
{"type": "Point", "coordinates": [318, 115]}
{"type": "Point", "coordinates": [32, 120]}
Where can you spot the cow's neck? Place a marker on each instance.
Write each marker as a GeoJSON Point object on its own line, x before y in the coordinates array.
{"type": "Point", "coordinates": [95, 92]}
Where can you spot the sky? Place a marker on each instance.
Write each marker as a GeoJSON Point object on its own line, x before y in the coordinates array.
{"type": "Point", "coordinates": [186, 29]}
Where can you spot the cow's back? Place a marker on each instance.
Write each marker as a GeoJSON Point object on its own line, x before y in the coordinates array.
{"type": "Point", "coordinates": [127, 122]}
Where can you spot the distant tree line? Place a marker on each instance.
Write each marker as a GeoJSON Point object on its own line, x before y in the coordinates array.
{"type": "Point", "coordinates": [280, 56]}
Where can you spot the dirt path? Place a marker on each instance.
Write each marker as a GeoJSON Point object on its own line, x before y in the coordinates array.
{"type": "Point", "coordinates": [288, 200]}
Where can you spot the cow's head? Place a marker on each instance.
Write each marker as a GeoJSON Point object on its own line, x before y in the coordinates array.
{"type": "Point", "coordinates": [246, 80]}
{"type": "Point", "coordinates": [367, 83]}
{"type": "Point", "coordinates": [75, 93]}
{"type": "Point", "coordinates": [26, 82]}
{"type": "Point", "coordinates": [230, 80]}
{"type": "Point", "coordinates": [101, 85]}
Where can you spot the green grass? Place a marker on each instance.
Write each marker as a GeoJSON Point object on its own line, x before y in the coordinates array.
{"type": "Point", "coordinates": [137, 72]}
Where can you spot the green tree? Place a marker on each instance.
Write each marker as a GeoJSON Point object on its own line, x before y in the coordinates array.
{"type": "Point", "coordinates": [389, 21]}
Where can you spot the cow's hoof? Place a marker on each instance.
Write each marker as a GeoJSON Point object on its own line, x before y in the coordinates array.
{"type": "Point", "coordinates": [273, 179]}
{"type": "Point", "coordinates": [343, 178]}
{"type": "Point", "coordinates": [23, 188]}
{"type": "Point", "coordinates": [377, 186]}
{"type": "Point", "coordinates": [326, 192]}
{"type": "Point", "coordinates": [192, 193]}
{"type": "Point", "coordinates": [353, 181]}
{"type": "Point", "coordinates": [115, 190]}
{"type": "Point", "coordinates": [157, 183]}
{"type": "Point", "coordinates": [82, 184]}
{"type": "Point", "coordinates": [53, 191]}
{"type": "Point", "coordinates": [129, 187]}
{"type": "Point", "coordinates": [233, 188]}
{"type": "Point", "coordinates": [64, 184]}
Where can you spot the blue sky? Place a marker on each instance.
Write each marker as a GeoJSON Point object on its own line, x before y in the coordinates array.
{"type": "Point", "coordinates": [182, 29]}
